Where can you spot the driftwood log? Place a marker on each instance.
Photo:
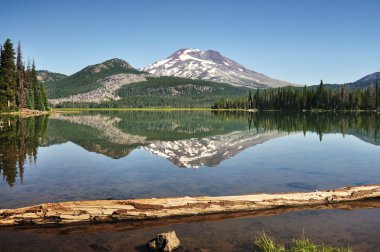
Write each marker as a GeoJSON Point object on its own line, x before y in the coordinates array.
{"type": "Point", "coordinates": [98, 211]}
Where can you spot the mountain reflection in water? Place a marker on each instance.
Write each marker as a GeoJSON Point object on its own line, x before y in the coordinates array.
{"type": "Point", "coordinates": [188, 139]}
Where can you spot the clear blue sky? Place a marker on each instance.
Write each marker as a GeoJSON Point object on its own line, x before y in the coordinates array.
{"type": "Point", "coordinates": [299, 41]}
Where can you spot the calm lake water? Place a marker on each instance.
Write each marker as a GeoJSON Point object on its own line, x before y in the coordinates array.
{"type": "Point", "coordinates": [135, 154]}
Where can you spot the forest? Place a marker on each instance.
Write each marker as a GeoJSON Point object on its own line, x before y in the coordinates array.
{"type": "Point", "coordinates": [306, 98]}
{"type": "Point", "coordinates": [166, 91]}
{"type": "Point", "coordinates": [19, 87]}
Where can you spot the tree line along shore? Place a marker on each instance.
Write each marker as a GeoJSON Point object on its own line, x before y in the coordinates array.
{"type": "Point", "coordinates": [20, 89]}
{"type": "Point", "coordinates": [307, 98]}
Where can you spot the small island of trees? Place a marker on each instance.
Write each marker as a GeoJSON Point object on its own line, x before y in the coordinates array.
{"type": "Point", "coordinates": [19, 87]}
{"type": "Point", "coordinates": [307, 98]}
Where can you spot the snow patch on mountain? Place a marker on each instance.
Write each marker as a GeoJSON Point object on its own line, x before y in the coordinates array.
{"type": "Point", "coordinates": [208, 151]}
{"type": "Point", "coordinates": [211, 65]}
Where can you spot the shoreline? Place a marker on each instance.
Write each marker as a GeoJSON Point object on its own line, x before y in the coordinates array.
{"type": "Point", "coordinates": [144, 109]}
{"type": "Point", "coordinates": [24, 113]}
{"type": "Point", "coordinates": [208, 109]}
{"type": "Point", "coordinates": [159, 209]}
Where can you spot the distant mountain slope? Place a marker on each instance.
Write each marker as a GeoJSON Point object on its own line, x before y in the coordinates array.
{"type": "Point", "coordinates": [105, 93]}
{"type": "Point", "coordinates": [366, 81]}
{"type": "Point", "coordinates": [211, 65]}
{"type": "Point", "coordinates": [169, 91]}
{"type": "Point", "coordinates": [48, 77]}
{"type": "Point", "coordinates": [131, 90]}
{"type": "Point", "coordinates": [88, 78]}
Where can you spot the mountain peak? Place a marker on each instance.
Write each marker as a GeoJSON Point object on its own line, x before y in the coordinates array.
{"type": "Point", "coordinates": [210, 65]}
{"type": "Point", "coordinates": [117, 62]}
{"type": "Point", "coordinates": [47, 77]}
{"type": "Point", "coordinates": [370, 77]}
{"type": "Point", "coordinates": [108, 64]}
{"type": "Point", "coordinates": [367, 81]}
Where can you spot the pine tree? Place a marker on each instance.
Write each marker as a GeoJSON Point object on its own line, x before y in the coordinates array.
{"type": "Point", "coordinates": [44, 98]}
{"type": "Point", "coordinates": [29, 87]}
{"type": "Point", "coordinates": [8, 74]}
{"type": "Point", "coordinates": [304, 97]}
{"type": "Point", "coordinates": [250, 102]}
{"type": "Point", "coordinates": [320, 95]}
{"type": "Point", "coordinates": [257, 98]}
{"type": "Point", "coordinates": [3, 98]}
{"type": "Point", "coordinates": [377, 95]}
{"type": "Point", "coordinates": [21, 92]}
{"type": "Point", "coordinates": [38, 103]}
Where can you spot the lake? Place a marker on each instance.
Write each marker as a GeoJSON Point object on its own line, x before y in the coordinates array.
{"type": "Point", "coordinates": [144, 154]}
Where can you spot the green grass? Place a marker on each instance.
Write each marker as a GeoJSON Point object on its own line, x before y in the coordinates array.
{"type": "Point", "coordinates": [266, 243]}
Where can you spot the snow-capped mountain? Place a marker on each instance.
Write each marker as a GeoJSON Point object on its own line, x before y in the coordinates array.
{"type": "Point", "coordinates": [211, 65]}
{"type": "Point", "coordinates": [209, 151]}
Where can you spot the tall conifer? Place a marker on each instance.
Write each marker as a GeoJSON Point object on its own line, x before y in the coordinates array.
{"type": "Point", "coordinates": [30, 87]}
{"type": "Point", "coordinates": [21, 92]}
{"type": "Point", "coordinates": [377, 93]}
{"type": "Point", "coordinates": [8, 74]}
{"type": "Point", "coordinates": [38, 103]}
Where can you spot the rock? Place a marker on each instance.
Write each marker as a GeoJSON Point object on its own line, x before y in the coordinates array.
{"type": "Point", "coordinates": [165, 242]}
{"type": "Point", "coordinates": [100, 246]}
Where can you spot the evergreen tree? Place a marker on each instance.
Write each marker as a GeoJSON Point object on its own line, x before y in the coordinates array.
{"type": "Point", "coordinates": [257, 98]}
{"type": "Point", "coordinates": [44, 97]}
{"type": "Point", "coordinates": [3, 98]}
{"type": "Point", "coordinates": [8, 76]}
{"type": "Point", "coordinates": [19, 88]}
{"type": "Point", "coordinates": [30, 87]}
{"type": "Point", "coordinates": [21, 92]}
{"type": "Point", "coordinates": [310, 98]}
{"type": "Point", "coordinates": [304, 97]}
{"type": "Point", "coordinates": [38, 102]}
{"type": "Point", "coordinates": [320, 95]}
{"type": "Point", "coordinates": [377, 95]}
{"type": "Point", "coordinates": [250, 102]}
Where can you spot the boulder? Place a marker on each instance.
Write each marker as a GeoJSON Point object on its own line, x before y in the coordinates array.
{"type": "Point", "coordinates": [165, 242]}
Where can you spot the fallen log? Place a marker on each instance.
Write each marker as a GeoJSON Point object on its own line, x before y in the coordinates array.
{"type": "Point", "coordinates": [89, 227]}
{"type": "Point", "coordinates": [99, 211]}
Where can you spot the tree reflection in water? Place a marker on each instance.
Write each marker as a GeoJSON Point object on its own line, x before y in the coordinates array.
{"type": "Point", "coordinates": [20, 137]}
{"type": "Point", "coordinates": [19, 140]}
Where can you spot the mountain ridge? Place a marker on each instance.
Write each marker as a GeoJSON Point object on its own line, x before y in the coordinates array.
{"type": "Point", "coordinates": [117, 83]}
{"type": "Point", "coordinates": [46, 76]}
{"type": "Point", "coordinates": [87, 79]}
{"type": "Point", "coordinates": [366, 81]}
{"type": "Point", "coordinates": [213, 66]}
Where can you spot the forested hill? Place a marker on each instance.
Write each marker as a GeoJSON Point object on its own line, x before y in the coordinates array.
{"type": "Point", "coordinates": [87, 79]}
{"type": "Point", "coordinates": [115, 83]}
{"type": "Point", "coordinates": [155, 92]}
{"type": "Point", "coordinates": [168, 91]}
{"type": "Point", "coordinates": [366, 81]}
